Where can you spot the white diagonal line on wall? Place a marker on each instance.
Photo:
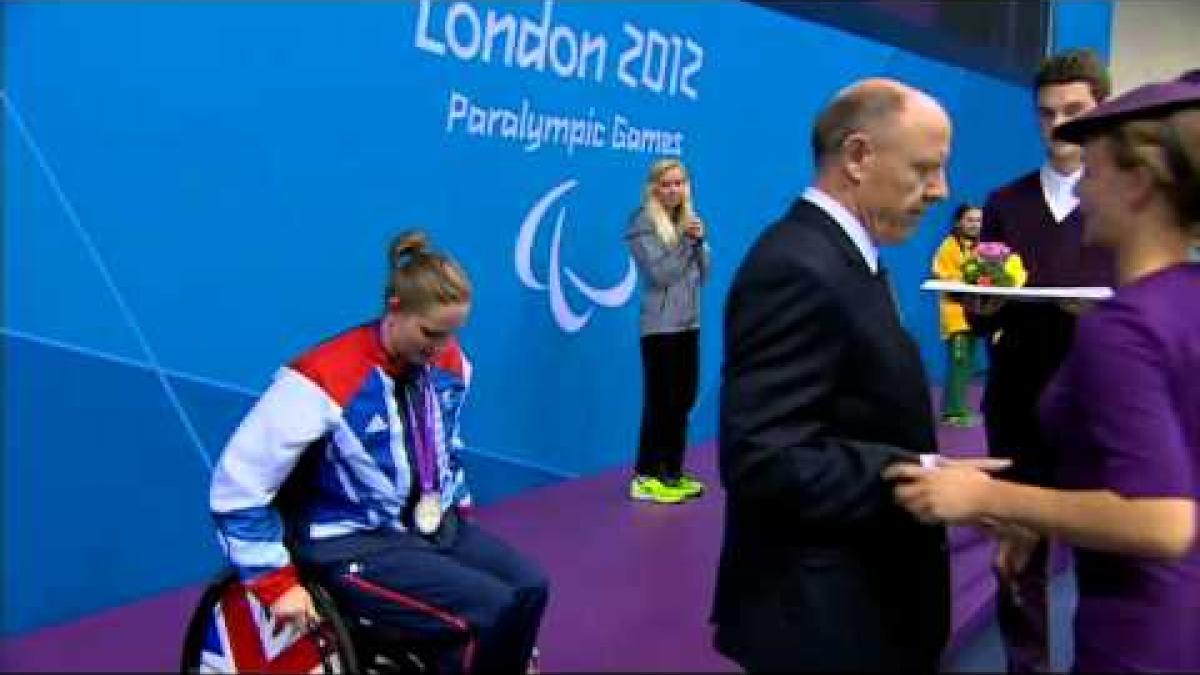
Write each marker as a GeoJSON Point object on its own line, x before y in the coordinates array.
{"type": "Point", "coordinates": [106, 276]}
{"type": "Point", "coordinates": [126, 361]}
{"type": "Point", "coordinates": [89, 352]}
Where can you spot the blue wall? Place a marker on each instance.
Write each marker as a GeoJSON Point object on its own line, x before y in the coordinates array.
{"type": "Point", "coordinates": [194, 193]}
{"type": "Point", "coordinates": [1082, 23]}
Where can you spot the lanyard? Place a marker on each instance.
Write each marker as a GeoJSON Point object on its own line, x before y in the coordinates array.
{"type": "Point", "coordinates": [421, 430]}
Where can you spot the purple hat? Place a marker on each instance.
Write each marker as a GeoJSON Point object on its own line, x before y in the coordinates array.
{"type": "Point", "coordinates": [1148, 100]}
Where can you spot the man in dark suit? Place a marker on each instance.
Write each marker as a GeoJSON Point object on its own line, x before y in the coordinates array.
{"type": "Point", "coordinates": [1038, 216]}
{"type": "Point", "coordinates": [821, 389]}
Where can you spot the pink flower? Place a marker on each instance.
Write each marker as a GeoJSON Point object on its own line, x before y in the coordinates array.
{"type": "Point", "coordinates": [993, 251]}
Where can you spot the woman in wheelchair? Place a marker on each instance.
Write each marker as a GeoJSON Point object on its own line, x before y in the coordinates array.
{"type": "Point", "coordinates": [378, 509]}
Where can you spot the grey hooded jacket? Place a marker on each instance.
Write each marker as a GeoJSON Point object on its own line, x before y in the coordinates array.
{"type": "Point", "coordinates": [671, 277]}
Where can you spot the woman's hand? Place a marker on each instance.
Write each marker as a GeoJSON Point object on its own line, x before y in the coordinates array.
{"type": "Point", "coordinates": [694, 229]}
{"type": "Point", "coordinates": [296, 607]}
{"type": "Point", "coordinates": [950, 493]}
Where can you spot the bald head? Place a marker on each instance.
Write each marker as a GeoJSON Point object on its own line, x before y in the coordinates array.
{"type": "Point", "coordinates": [881, 149]}
{"type": "Point", "coordinates": [869, 106]}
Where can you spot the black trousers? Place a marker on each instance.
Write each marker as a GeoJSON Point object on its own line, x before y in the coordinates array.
{"type": "Point", "coordinates": [1033, 344]}
{"type": "Point", "coordinates": [670, 371]}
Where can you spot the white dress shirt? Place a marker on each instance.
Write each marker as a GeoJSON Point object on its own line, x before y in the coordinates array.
{"type": "Point", "coordinates": [1059, 191]}
{"type": "Point", "coordinates": [849, 224]}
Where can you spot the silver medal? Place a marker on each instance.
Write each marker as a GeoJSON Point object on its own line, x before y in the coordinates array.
{"type": "Point", "coordinates": [428, 513]}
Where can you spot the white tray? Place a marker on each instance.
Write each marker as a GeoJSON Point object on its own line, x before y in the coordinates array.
{"type": "Point", "coordinates": [1021, 292]}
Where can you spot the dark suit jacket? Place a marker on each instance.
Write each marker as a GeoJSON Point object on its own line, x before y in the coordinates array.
{"type": "Point", "coordinates": [821, 388]}
{"type": "Point", "coordinates": [1032, 337]}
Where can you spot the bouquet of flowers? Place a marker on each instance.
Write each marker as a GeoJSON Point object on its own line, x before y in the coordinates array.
{"type": "Point", "coordinates": [993, 263]}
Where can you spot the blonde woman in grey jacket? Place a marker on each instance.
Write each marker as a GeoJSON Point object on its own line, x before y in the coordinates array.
{"type": "Point", "coordinates": [668, 243]}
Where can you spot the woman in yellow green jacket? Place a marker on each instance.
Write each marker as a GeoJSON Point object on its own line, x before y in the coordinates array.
{"type": "Point", "coordinates": [960, 341]}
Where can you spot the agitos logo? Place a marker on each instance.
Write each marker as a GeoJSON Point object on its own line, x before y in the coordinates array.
{"type": "Point", "coordinates": [565, 316]}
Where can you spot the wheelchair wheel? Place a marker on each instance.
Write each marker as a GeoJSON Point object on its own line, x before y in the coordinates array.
{"type": "Point", "coordinates": [231, 632]}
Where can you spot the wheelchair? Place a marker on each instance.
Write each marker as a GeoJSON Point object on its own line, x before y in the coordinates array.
{"type": "Point", "coordinates": [231, 632]}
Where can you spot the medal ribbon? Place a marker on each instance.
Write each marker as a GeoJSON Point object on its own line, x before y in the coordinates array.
{"type": "Point", "coordinates": [425, 447]}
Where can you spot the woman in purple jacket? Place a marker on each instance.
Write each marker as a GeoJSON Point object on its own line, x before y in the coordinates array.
{"type": "Point", "coordinates": [1124, 409]}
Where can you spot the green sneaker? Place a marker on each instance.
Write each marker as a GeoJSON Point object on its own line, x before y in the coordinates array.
{"type": "Point", "coordinates": [952, 419]}
{"type": "Point", "coordinates": [690, 487]}
{"type": "Point", "coordinates": [651, 489]}
{"type": "Point", "coordinates": [964, 420]}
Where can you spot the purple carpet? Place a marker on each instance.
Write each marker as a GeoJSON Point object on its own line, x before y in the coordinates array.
{"type": "Point", "coordinates": [630, 584]}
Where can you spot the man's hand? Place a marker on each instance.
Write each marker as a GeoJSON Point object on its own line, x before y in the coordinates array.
{"type": "Point", "coordinates": [1075, 307]}
{"type": "Point", "coordinates": [982, 305]}
{"type": "Point", "coordinates": [1014, 546]}
{"type": "Point", "coordinates": [296, 607]}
